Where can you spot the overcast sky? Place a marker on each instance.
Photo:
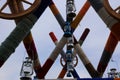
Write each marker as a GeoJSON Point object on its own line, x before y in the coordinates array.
{"type": "Point", "coordinates": [93, 45]}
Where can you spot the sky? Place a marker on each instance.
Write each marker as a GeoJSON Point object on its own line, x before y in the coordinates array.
{"type": "Point", "coordinates": [92, 46]}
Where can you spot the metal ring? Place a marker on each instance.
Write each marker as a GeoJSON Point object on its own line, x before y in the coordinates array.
{"type": "Point", "coordinates": [110, 10]}
{"type": "Point", "coordinates": [13, 15]}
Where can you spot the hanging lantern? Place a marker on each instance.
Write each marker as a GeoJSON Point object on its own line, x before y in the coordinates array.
{"type": "Point", "coordinates": [70, 9]}
{"type": "Point", "coordinates": [113, 73]}
{"type": "Point", "coordinates": [27, 69]}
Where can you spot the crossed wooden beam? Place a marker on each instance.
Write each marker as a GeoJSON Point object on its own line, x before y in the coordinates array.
{"type": "Point", "coordinates": [28, 41]}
